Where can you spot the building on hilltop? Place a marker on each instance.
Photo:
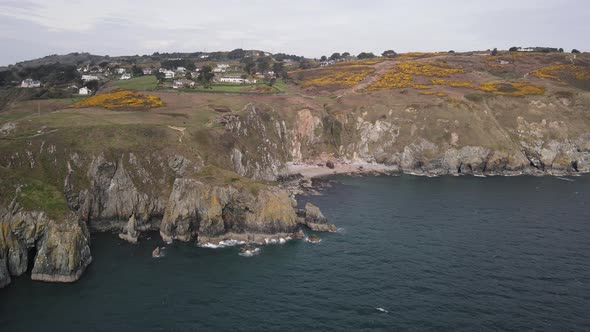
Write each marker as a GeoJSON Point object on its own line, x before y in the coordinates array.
{"type": "Point", "coordinates": [84, 91]}
{"type": "Point", "coordinates": [88, 78]}
{"type": "Point", "coordinates": [147, 71]}
{"type": "Point", "coordinates": [183, 83]}
{"type": "Point", "coordinates": [236, 80]}
{"type": "Point", "coordinates": [30, 83]}
{"type": "Point", "coordinates": [126, 76]}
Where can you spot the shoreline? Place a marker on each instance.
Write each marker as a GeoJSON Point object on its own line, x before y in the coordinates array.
{"type": "Point", "coordinates": [319, 169]}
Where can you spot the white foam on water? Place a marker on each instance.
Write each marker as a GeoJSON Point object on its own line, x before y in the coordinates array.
{"type": "Point", "coordinates": [250, 253]}
{"type": "Point", "coordinates": [306, 239]}
{"type": "Point", "coordinates": [382, 310]}
{"type": "Point", "coordinates": [565, 179]}
{"type": "Point", "coordinates": [222, 244]}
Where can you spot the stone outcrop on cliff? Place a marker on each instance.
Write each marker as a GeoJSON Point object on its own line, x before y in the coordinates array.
{"type": "Point", "coordinates": [312, 217]}
{"type": "Point", "coordinates": [62, 246]}
{"type": "Point", "coordinates": [210, 213]}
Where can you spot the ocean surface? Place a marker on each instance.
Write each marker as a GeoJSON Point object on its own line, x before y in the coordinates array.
{"type": "Point", "coordinates": [423, 254]}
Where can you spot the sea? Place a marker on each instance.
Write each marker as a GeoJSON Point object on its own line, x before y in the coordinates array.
{"type": "Point", "coordinates": [411, 254]}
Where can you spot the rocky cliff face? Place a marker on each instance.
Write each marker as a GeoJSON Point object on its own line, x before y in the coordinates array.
{"type": "Point", "coordinates": [217, 182]}
{"type": "Point", "coordinates": [62, 247]}
{"type": "Point", "coordinates": [128, 193]}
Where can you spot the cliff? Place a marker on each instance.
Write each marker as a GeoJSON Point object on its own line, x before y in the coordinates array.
{"type": "Point", "coordinates": [195, 173]}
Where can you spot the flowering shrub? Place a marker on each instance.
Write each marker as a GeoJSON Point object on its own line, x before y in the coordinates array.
{"type": "Point", "coordinates": [557, 72]}
{"type": "Point", "coordinates": [402, 75]}
{"type": "Point", "coordinates": [512, 88]}
{"type": "Point", "coordinates": [121, 99]}
{"type": "Point", "coordinates": [337, 76]}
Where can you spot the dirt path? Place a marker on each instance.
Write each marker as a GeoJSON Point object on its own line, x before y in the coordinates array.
{"type": "Point", "coordinates": [180, 129]}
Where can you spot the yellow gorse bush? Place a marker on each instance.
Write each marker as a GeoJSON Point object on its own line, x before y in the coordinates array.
{"type": "Point", "coordinates": [517, 89]}
{"type": "Point", "coordinates": [556, 72]}
{"type": "Point", "coordinates": [403, 74]}
{"type": "Point", "coordinates": [121, 99]}
{"type": "Point", "coordinates": [338, 76]}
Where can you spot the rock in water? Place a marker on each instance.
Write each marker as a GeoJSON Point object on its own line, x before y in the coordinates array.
{"type": "Point", "coordinates": [130, 232]}
{"type": "Point", "coordinates": [156, 252]}
{"type": "Point", "coordinates": [313, 218]}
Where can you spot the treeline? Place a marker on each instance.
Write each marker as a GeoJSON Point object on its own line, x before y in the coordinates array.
{"type": "Point", "coordinates": [53, 74]}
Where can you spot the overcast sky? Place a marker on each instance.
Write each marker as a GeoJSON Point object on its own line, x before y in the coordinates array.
{"type": "Point", "coordinates": [34, 28]}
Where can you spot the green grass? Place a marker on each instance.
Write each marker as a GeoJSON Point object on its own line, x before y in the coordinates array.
{"type": "Point", "coordinates": [138, 83]}
{"type": "Point", "coordinates": [230, 88]}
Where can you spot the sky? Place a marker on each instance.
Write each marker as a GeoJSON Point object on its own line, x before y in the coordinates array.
{"type": "Point", "coordinates": [31, 29]}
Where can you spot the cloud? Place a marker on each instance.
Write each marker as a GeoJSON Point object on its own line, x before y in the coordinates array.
{"type": "Point", "coordinates": [115, 27]}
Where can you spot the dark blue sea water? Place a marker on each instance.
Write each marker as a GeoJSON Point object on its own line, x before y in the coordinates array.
{"type": "Point", "coordinates": [443, 254]}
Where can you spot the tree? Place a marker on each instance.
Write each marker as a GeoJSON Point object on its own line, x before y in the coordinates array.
{"type": "Point", "coordinates": [279, 69]}
{"type": "Point", "coordinates": [335, 56]}
{"type": "Point", "coordinates": [103, 64]}
{"type": "Point", "coordinates": [160, 76]}
{"type": "Point", "coordinates": [451, 52]}
{"type": "Point", "coordinates": [495, 52]}
{"type": "Point", "coordinates": [188, 76]}
{"type": "Point", "coordinates": [323, 58]}
{"type": "Point", "coordinates": [389, 54]}
{"type": "Point", "coordinates": [575, 51]}
{"type": "Point", "coordinates": [364, 55]}
{"type": "Point", "coordinates": [136, 71]}
{"type": "Point", "coordinates": [92, 85]}
{"type": "Point", "coordinates": [236, 54]}
{"type": "Point", "coordinates": [263, 64]}
{"type": "Point", "coordinates": [206, 75]}
{"type": "Point", "coordinates": [345, 54]}
{"type": "Point", "coordinates": [249, 65]}
{"type": "Point", "coordinates": [560, 50]}
{"type": "Point", "coordinates": [513, 49]}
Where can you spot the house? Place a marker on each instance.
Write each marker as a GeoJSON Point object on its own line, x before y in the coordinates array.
{"type": "Point", "coordinates": [147, 71]}
{"type": "Point", "coordinates": [218, 70]}
{"type": "Point", "coordinates": [181, 70]}
{"type": "Point", "coordinates": [222, 65]}
{"type": "Point", "coordinates": [120, 71]}
{"type": "Point", "coordinates": [30, 83]}
{"type": "Point", "coordinates": [504, 62]}
{"type": "Point", "coordinates": [236, 80]}
{"type": "Point", "coordinates": [168, 74]}
{"type": "Point", "coordinates": [526, 49]}
{"type": "Point", "coordinates": [182, 83]}
{"type": "Point", "coordinates": [204, 56]}
{"type": "Point", "coordinates": [87, 78]}
{"type": "Point", "coordinates": [126, 76]}
{"type": "Point", "coordinates": [84, 91]}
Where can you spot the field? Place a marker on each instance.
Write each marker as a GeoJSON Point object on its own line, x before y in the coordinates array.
{"type": "Point", "coordinates": [142, 83]}
{"type": "Point", "coordinates": [259, 88]}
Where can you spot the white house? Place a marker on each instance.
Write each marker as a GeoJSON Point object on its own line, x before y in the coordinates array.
{"type": "Point", "coordinates": [120, 71]}
{"type": "Point", "coordinates": [84, 91]}
{"type": "Point", "coordinates": [222, 65]}
{"type": "Point", "coordinates": [147, 71]}
{"type": "Point", "coordinates": [126, 76]}
{"type": "Point", "coordinates": [204, 56]}
{"type": "Point", "coordinates": [179, 84]}
{"type": "Point", "coordinates": [236, 80]}
{"type": "Point", "coordinates": [180, 69]}
{"type": "Point", "coordinates": [526, 49]}
{"type": "Point", "coordinates": [30, 83]}
{"type": "Point", "coordinates": [168, 74]}
{"type": "Point", "coordinates": [87, 78]}
{"type": "Point", "coordinates": [218, 70]}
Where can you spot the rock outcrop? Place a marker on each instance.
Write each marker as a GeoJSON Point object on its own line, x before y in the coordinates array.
{"type": "Point", "coordinates": [312, 217]}
{"type": "Point", "coordinates": [62, 247]}
{"type": "Point", "coordinates": [212, 213]}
